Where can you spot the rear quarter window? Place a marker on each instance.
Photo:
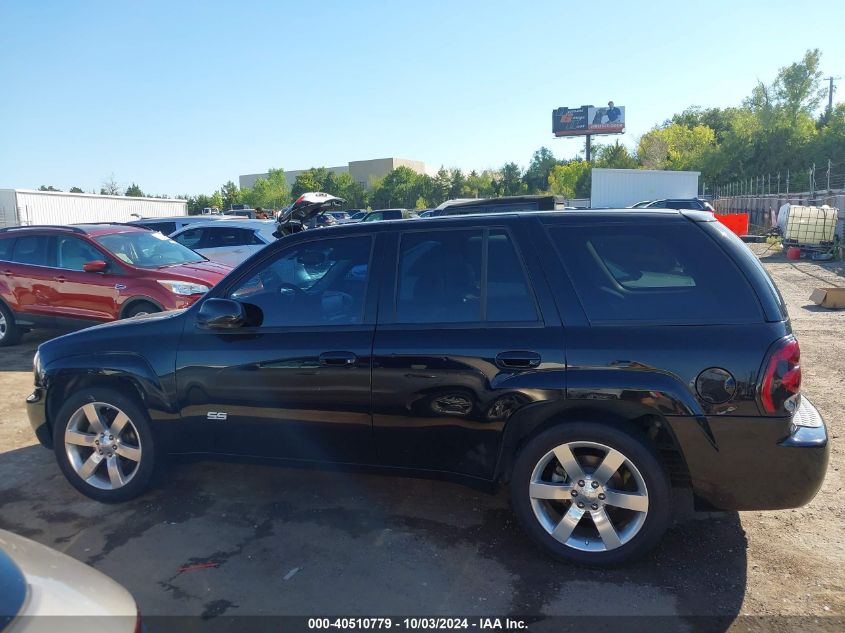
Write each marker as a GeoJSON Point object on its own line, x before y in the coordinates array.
{"type": "Point", "coordinates": [663, 273]}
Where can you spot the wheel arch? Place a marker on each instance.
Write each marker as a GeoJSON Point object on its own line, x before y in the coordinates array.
{"type": "Point", "coordinates": [135, 300]}
{"type": "Point", "coordinates": [643, 422]}
{"type": "Point", "coordinates": [129, 374]}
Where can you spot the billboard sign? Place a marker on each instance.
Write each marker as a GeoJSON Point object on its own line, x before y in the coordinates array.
{"type": "Point", "coordinates": [588, 120]}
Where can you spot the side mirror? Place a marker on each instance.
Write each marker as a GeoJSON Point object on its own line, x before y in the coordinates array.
{"type": "Point", "coordinates": [223, 314]}
{"type": "Point", "coordinates": [96, 266]}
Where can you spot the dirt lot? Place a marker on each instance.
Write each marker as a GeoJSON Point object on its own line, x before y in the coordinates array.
{"type": "Point", "coordinates": [305, 542]}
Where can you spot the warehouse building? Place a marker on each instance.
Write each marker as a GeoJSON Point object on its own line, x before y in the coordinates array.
{"type": "Point", "coordinates": [28, 206]}
{"type": "Point", "coordinates": [362, 171]}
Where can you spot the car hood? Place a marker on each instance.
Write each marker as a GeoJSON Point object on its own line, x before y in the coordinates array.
{"type": "Point", "coordinates": [207, 272]}
{"type": "Point", "coordinates": [60, 585]}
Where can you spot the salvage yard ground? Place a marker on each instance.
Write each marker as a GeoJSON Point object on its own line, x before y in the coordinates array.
{"type": "Point", "coordinates": [217, 538]}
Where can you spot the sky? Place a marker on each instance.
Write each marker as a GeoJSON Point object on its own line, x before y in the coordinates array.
{"type": "Point", "coordinates": [180, 97]}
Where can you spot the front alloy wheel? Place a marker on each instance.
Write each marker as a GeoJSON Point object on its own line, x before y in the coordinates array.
{"type": "Point", "coordinates": [103, 445]}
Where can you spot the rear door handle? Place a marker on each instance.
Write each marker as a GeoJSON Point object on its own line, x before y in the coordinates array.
{"type": "Point", "coordinates": [518, 359]}
{"type": "Point", "coordinates": [338, 359]}
{"type": "Point", "coordinates": [8, 273]}
{"type": "Point", "coordinates": [61, 279]}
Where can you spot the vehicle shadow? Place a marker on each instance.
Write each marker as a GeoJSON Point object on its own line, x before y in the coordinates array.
{"type": "Point", "coordinates": [222, 540]}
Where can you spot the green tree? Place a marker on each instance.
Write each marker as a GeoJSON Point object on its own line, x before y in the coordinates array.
{"type": "Point", "coordinates": [76, 190]}
{"type": "Point", "coordinates": [614, 156]}
{"type": "Point", "coordinates": [230, 195]}
{"type": "Point", "coordinates": [536, 177]}
{"type": "Point", "coordinates": [313, 179]}
{"type": "Point", "coordinates": [134, 191]}
{"type": "Point", "coordinates": [47, 188]}
{"type": "Point", "coordinates": [458, 187]}
{"type": "Point", "coordinates": [399, 188]}
{"type": "Point", "coordinates": [509, 182]}
{"type": "Point", "coordinates": [442, 186]}
{"type": "Point", "coordinates": [480, 185]}
{"type": "Point", "coordinates": [110, 187]}
{"type": "Point", "coordinates": [570, 180]}
{"type": "Point", "coordinates": [271, 192]}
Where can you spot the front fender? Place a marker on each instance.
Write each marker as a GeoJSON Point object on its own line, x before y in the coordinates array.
{"type": "Point", "coordinates": [105, 369]}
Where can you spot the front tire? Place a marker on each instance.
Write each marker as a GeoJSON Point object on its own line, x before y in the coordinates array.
{"type": "Point", "coordinates": [10, 332]}
{"type": "Point", "coordinates": [104, 445]}
{"type": "Point", "coordinates": [591, 494]}
{"type": "Point", "coordinates": [141, 308]}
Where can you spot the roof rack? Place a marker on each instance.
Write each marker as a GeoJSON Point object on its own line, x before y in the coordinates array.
{"type": "Point", "coordinates": [59, 227]}
{"type": "Point", "coordinates": [99, 223]}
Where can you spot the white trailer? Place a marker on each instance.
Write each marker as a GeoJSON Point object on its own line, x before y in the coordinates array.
{"type": "Point", "coordinates": [619, 188]}
{"type": "Point", "coordinates": [28, 206]}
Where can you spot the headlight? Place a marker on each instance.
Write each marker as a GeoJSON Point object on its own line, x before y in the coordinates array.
{"type": "Point", "coordinates": [184, 288]}
{"type": "Point", "coordinates": [36, 368]}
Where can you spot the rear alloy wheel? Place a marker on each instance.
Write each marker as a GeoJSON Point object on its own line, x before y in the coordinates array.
{"type": "Point", "coordinates": [10, 333]}
{"type": "Point", "coordinates": [591, 494]}
{"type": "Point", "coordinates": [104, 446]}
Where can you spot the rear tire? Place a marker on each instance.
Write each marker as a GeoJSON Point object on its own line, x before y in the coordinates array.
{"type": "Point", "coordinates": [622, 489]}
{"type": "Point", "coordinates": [104, 445]}
{"type": "Point", "coordinates": [143, 307]}
{"type": "Point", "coordinates": [10, 332]}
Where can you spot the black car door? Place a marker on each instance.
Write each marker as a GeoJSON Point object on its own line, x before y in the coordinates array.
{"type": "Point", "coordinates": [460, 330]}
{"type": "Point", "coordinates": [297, 385]}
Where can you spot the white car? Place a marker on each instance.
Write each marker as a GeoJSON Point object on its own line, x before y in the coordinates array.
{"type": "Point", "coordinates": [229, 242]}
{"type": "Point", "coordinates": [38, 581]}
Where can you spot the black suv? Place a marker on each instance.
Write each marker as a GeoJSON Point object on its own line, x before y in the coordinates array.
{"type": "Point", "coordinates": [591, 360]}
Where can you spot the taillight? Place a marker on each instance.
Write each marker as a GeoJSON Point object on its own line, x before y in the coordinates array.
{"type": "Point", "coordinates": [781, 385]}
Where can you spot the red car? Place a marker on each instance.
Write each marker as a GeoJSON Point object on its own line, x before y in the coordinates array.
{"type": "Point", "coordinates": [80, 275]}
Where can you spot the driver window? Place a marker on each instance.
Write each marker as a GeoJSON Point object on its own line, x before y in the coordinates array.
{"type": "Point", "coordinates": [322, 282]}
{"type": "Point", "coordinates": [72, 253]}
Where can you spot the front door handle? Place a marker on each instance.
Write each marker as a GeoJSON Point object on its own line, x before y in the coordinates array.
{"type": "Point", "coordinates": [60, 279]}
{"type": "Point", "coordinates": [8, 273]}
{"type": "Point", "coordinates": [338, 359]}
{"type": "Point", "coordinates": [518, 360]}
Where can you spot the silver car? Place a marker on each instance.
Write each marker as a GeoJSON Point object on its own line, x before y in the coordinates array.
{"type": "Point", "coordinates": [38, 581]}
{"type": "Point", "coordinates": [229, 242]}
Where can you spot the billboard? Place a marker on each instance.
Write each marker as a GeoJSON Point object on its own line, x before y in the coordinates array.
{"type": "Point", "coordinates": [588, 120]}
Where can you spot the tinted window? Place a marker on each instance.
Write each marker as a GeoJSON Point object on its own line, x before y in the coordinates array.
{"type": "Point", "coordinates": [221, 237]}
{"type": "Point", "coordinates": [73, 253]}
{"type": "Point", "coordinates": [508, 295]}
{"type": "Point", "coordinates": [192, 238]}
{"type": "Point", "coordinates": [659, 204]}
{"type": "Point", "coordinates": [32, 249]}
{"type": "Point", "coordinates": [654, 272]}
{"type": "Point", "coordinates": [439, 277]}
{"type": "Point", "coordinates": [684, 204]}
{"type": "Point", "coordinates": [6, 248]}
{"type": "Point", "coordinates": [318, 283]}
{"type": "Point", "coordinates": [162, 227]}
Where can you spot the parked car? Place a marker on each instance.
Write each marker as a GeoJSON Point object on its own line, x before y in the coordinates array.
{"type": "Point", "coordinates": [389, 214]}
{"type": "Point", "coordinates": [681, 203]}
{"type": "Point", "coordinates": [342, 217]}
{"type": "Point", "coordinates": [170, 225]}
{"type": "Point", "coordinates": [504, 204]}
{"type": "Point", "coordinates": [41, 587]}
{"type": "Point", "coordinates": [229, 242]}
{"type": "Point", "coordinates": [593, 361]}
{"type": "Point", "coordinates": [357, 215]}
{"type": "Point", "coordinates": [320, 221]}
{"type": "Point", "coordinates": [427, 213]}
{"type": "Point", "coordinates": [641, 205]}
{"type": "Point", "coordinates": [72, 276]}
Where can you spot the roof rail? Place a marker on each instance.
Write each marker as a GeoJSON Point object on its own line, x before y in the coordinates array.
{"type": "Point", "coordinates": [99, 223]}
{"type": "Point", "coordinates": [60, 227]}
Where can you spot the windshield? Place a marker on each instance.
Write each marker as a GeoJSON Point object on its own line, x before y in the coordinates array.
{"type": "Point", "coordinates": [148, 249]}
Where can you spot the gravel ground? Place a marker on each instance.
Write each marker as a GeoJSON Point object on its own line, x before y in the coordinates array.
{"type": "Point", "coordinates": [306, 542]}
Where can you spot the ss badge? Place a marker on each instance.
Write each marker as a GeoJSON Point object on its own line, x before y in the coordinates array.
{"type": "Point", "coordinates": [217, 415]}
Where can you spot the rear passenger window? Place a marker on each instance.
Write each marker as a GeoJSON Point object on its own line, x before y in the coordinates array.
{"type": "Point", "coordinates": [227, 236]}
{"type": "Point", "coordinates": [163, 227]}
{"type": "Point", "coordinates": [654, 273]}
{"type": "Point", "coordinates": [508, 295]}
{"type": "Point", "coordinates": [442, 279]}
{"type": "Point", "coordinates": [190, 238]}
{"type": "Point", "coordinates": [32, 249]}
{"type": "Point", "coordinates": [6, 248]}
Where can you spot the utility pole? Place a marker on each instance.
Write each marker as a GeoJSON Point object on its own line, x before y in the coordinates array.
{"type": "Point", "coordinates": [830, 90]}
{"type": "Point", "coordinates": [589, 138]}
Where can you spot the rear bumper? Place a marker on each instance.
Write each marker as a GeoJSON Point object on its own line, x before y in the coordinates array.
{"type": "Point", "coordinates": [755, 463]}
